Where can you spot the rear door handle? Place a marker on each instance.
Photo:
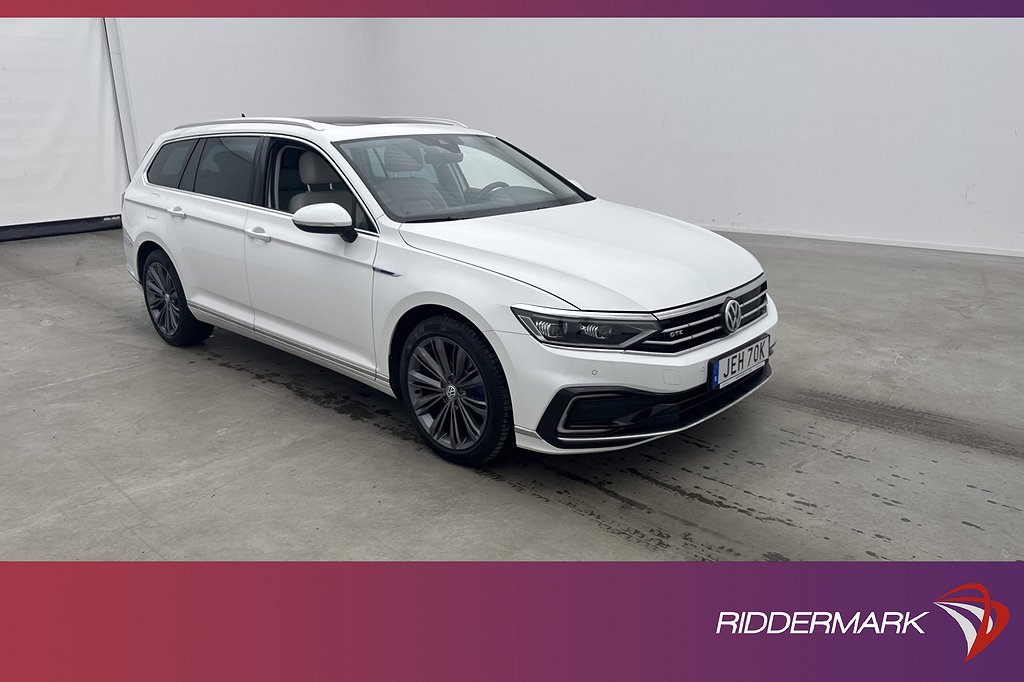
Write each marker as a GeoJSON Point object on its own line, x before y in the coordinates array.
{"type": "Point", "coordinates": [259, 234]}
{"type": "Point", "coordinates": [176, 212]}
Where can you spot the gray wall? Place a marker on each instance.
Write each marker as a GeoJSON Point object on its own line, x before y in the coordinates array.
{"type": "Point", "coordinates": [888, 131]}
{"type": "Point", "coordinates": [891, 131]}
{"type": "Point", "coordinates": [183, 70]}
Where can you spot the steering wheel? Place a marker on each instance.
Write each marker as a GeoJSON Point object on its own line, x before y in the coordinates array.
{"type": "Point", "coordinates": [493, 186]}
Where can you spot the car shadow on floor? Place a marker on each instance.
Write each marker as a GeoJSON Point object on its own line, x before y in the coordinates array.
{"type": "Point", "coordinates": [601, 487]}
{"type": "Point", "coordinates": [327, 389]}
{"type": "Point", "coordinates": [772, 478]}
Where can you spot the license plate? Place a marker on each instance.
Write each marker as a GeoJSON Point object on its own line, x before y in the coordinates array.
{"type": "Point", "coordinates": [737, 364]}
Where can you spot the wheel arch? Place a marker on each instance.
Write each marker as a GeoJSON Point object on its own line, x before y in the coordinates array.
{"type": "Point", "coordinates": [146, 244]}
{"type": "Point", "coordinates": [146, 248]}
{"type": "Point", "coordinates": [404, 326]}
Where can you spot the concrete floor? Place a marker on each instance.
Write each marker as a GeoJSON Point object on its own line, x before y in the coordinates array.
{"type": "Point", "coordinates": [893, 429]}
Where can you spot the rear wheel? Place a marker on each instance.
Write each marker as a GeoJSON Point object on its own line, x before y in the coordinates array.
{"type": "Point", "coordinates": [165, 301]}
{"type": "Point", "coordinates": [455, 391]}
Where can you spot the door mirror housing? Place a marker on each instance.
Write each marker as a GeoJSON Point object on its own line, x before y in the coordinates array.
{"type": "Point", "coordinates": [325, 219]}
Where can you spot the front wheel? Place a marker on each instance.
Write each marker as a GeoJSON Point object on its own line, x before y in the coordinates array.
{"type": "Point", "coordinates": [455, 390]}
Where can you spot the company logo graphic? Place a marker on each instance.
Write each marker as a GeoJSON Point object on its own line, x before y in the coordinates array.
{"type": "Point", "coordinates": [980, 617]}
{"type": "Point", "coordinates": [732, 315]}
{"type": "Point", "coordinates": [992, 616]}
{"type": "Point", "coordinates": [824, 622]}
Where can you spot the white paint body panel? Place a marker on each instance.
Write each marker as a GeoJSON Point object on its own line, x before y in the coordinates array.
{"type": "Point", "coordinates": [338, 303]}
{"type": "Point", "coordinates": [541, 371]}
{"type": "Point", "coordinates": [315, 289]}
{"type": "Point", "coordinates": [597, 255]}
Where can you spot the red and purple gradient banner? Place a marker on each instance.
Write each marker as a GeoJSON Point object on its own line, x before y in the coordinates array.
{"type": "Point", "coordinates": [522, 8]}
{"type": "Point", "coordinates": [485, 621]}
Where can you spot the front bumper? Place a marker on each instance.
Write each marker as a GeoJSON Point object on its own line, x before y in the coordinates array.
{"type": "Point", "coordinates": [612, 417]}
{"type": "Point", "coordinates": [648, 395]}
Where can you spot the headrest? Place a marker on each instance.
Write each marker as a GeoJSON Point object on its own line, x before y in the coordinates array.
{"type": "Point", "coordinates": [436, 155]}
{"type": "Point", "coordinates": [402, 158]}
{"type": "Point", "coordinates": [313, 170]}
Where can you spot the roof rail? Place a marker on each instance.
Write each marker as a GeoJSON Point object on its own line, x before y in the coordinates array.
{"type": "Point", "coordinates": [378, 120]}
{"type": "Point", "coordinates": [446, 121]}
{"type": "Point", "coordinates": [282, 121]}
{"type": "Point", "coordinates": [318, 123]}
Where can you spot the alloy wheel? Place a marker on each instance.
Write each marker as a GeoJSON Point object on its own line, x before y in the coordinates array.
{"type": "Point", "coordinates": [447, 393]}
{"type": "Point", "coordinates": [162, 299]}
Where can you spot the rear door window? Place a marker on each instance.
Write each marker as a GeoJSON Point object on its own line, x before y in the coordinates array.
{"type": "Point", "coordinates": [169, 162]}
{"type": "Point", "coordinates": [227, 167]}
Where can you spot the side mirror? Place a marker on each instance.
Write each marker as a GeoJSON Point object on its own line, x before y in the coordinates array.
{"type": "Point", "coordinates": [325, 219]}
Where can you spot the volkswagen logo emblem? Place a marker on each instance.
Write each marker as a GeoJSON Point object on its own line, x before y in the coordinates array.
{"type": "Point", "coordinates": [451, 391]}
{"type": "Point", "coordinates": [732, 315]}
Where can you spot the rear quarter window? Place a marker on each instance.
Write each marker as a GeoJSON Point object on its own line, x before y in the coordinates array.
{"type": "Point", "coordinates": [169, 162]}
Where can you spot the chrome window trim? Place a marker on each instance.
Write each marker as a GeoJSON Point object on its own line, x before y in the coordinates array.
{"type": "Point", "coordinates": [230, 202]}
{"type": "Point", "coordinates": [200, 136]}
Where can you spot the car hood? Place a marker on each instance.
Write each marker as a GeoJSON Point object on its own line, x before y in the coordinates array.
{"type": "Point", "coordinates": [595, 255]}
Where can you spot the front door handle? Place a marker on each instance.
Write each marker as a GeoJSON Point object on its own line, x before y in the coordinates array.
{"type": "Point", "coordinates": [259, 234]}
{"type": "Point", "coordinates": [176, 212]}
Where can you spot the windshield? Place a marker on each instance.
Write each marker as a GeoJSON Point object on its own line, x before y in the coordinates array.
{"type": "Point", "coordinates": [428, 178]}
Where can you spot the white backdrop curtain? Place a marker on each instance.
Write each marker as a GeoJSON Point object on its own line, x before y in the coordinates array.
{"type": "Point", "coordinates": [61, 149]}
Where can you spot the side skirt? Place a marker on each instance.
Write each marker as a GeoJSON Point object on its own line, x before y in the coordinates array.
{"type": "Point", "coordinates": [341, 366]}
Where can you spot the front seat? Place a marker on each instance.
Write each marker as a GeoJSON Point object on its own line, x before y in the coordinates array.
{"type": "Point", "coordinates": [411, 195]}
{"type": "Point", "coordinates": [314, 170]}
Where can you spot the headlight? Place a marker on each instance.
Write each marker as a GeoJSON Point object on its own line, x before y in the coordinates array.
{"type": "Point", "coordinates": [585, 330]}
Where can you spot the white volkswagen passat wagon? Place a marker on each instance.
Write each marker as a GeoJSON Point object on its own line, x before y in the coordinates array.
{"type": "Point", "coordinates": [501, 302]}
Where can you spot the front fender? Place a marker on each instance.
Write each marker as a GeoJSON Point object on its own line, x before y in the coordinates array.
{"type": "Point", "coordinates": [481, 296]}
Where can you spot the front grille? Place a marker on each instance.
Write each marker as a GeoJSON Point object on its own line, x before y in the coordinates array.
{"type": "Point", "coordinates": [694, 325]}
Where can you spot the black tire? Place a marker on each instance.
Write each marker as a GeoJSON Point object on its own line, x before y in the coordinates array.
{"type": "Point", "coordinates": [426, 393]}
{"type": "Point", "coordinates": [166, 304]}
